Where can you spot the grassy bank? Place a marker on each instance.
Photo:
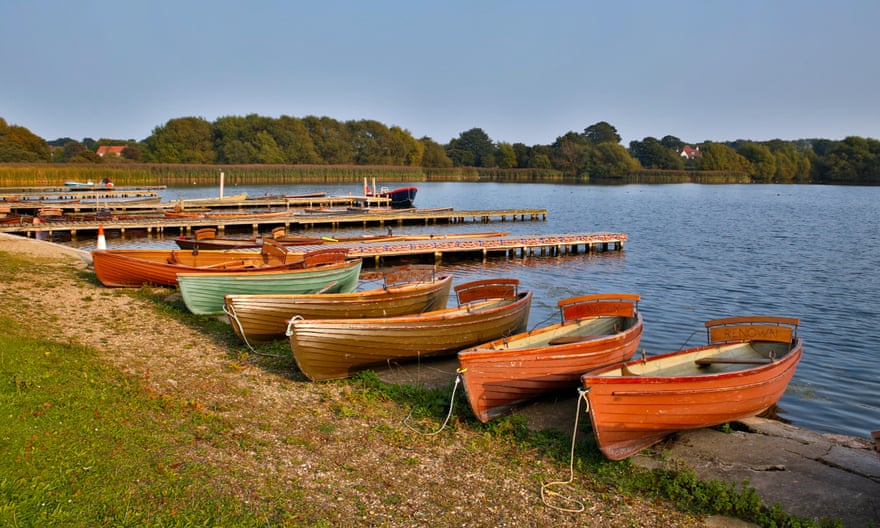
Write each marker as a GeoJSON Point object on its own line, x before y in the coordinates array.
{"type": "Point", "coordinates": [108, 421]}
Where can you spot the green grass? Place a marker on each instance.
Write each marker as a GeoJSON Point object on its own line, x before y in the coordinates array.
{"type": "Point", "coordinates": [82, 445]}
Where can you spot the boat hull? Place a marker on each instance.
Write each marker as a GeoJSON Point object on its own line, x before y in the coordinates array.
{"type": "Point", "coordinates": [261, 318]}
{"type": "Point", "coordinates": [402, 198]}
{"type": "Point", "coordinates": [330, 349]}
{"type": "Point", "coordinates": [637, 404]}
{"type": "Point", "coordinates": [203, 293]}
{"type": "Point", "coordinates": [502, 374]}
{"type": "Point", "coordinates": [136, 267]}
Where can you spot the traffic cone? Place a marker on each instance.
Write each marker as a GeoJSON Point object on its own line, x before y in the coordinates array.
{"type": "Point", "coordinates": [102, 242]}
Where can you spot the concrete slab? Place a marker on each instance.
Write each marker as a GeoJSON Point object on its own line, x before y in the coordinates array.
{"type": "Point", "coordinates": [807, 474]}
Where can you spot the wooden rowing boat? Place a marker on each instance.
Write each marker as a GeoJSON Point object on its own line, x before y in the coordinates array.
{"type": "Point", "coordinates": [203, 293]}
{"type": "Point", "coordinates": [336, 348]}
{"type": "Point", "coordinates": [261, 318]}
{"type": "Point", "coordinates": [595, 331]}
{"type": "Point", "coordinates": [742, 372]}
{"type": "Point", "coordinates": [206, 238]}
{"type": "Point", "coordinates": [136, 267]}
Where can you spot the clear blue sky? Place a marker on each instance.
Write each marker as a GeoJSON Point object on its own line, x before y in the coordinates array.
{"type": "Point", "coordinates": [522, 71]}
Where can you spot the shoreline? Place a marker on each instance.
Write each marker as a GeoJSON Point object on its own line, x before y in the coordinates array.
{"type": "Point", "coordinates": [808, 474]}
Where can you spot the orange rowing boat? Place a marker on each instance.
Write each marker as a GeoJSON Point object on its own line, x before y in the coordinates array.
{"type": "Point", "coordinates": [595, 331]}
{"type": "Point", "coordinates": [742, 372]}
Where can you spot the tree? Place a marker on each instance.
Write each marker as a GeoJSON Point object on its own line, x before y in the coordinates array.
{"type": "Point", "coordinates": [601, 132]}
{"type": "Point", "coordinates": [571, 153]}
{"type": "Point", "coordinates": [610, 161]}
{"type": "Point", "coordinates": [377, 144]}
{"type": "Point", "coordinates": [763, 162]}
{"type": "Point", "coordinates": [434, 154]}
{"type": "Point", "coordinates": [231, 141]}
{"type": "Point", "coordinates": [268, 151]}
{"type": "Point", "coordinates": [293, 138]}
{"type": "Point", "coordinates": [18, 144]}
{"type": "Point", "coordinates": [72, 152]}
{"type": "Point", "coordinates": [720, 157]}
{"type": "Point", "coordinates": [672, 143]}
{"type": "Point", "coordinates": [654, 154]}
{"type": "Point", "coordinates": [473, 148]}
{"type": "Point", "coordinates": [853, 160]}
{"type": "Point", "coordinates": [411, 150]}
{"type": "Point", "coordinates": [540, 157]}
{"type": "Point", "coordinates": [332, 140]}
{"type": "Point", "coordinates": [523, 154]}
{"type": "Point", "coordinates": [182, 140]}
{"type": "Point", "coordinates": [132, 152]}
{"type": "Point", "coordinates": [506, 156]}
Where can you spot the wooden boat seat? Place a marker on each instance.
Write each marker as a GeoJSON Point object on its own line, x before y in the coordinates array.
{"type": "Point", "coordinates": [567, 340]}
{"type": "Point", "coordinates": [205, 232]}
{"type": "Point", "coordinates": [278, 232]}
{"type": "Point", "coordinates": [272, 249]}
{"type": "Point", "coordinates": [732, 361]}
{"type": "Point", "coordinates": [230, 264]}
{"type": "Point", "coordinates": [595, 305]}
{"type": "Point", "coordinates": [487, 289]}
{"type": "Point", "coordinates": [325, 256]}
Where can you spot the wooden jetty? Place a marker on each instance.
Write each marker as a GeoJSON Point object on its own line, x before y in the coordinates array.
{"type": "Point", "coordinates": [119, 201]}
{"type": "Point", "coordinates": [295, 221]}
{"type": "Point", "coordinates": [483, 248]}
{"type": "Point", "coordinates": [24, 197]}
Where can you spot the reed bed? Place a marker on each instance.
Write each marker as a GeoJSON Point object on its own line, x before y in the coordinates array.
{"type": "Point", "coordinates": [135, 174]}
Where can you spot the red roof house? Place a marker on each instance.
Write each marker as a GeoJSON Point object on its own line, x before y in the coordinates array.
{"type": "Point", "coordinates": [116, 151]}
{"type": "Point", "coordinates": [690, 152]}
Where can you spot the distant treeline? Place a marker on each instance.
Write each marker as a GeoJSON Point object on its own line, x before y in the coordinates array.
{"type": "Point", "coordinates": [258, 149]}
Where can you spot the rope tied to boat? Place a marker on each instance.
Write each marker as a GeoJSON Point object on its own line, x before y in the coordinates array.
{"type": "Point", "coordinates": [541, 323]}
{"type": "Point", "coordinates": [545, 491]}
{"type": "Point", "coordinates": [458, 374]}
{"type": "Point", "coordinates": [233, 318]}
{"type": "Point", "coordinates": [290, 322]}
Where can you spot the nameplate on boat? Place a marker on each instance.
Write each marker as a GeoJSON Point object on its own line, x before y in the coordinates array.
{"type": "Point", "coordinates": [596, 309]}
{"type": "Point", "coordinates": [781, 334]}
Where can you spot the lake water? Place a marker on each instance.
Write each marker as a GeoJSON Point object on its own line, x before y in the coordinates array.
{"type": "Point", "coordinates": [698, 252]}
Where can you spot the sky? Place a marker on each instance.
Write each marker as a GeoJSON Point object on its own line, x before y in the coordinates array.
{"type": "Point", "coordinates": [522, 71]}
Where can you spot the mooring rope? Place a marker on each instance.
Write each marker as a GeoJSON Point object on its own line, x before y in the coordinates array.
{"type": "Point", "coordinates": [234, 318]}
{"type": "Point", "coordinates": [541, 323]}
{"type": "Point", "coordinates": [545, 492]}
{"type": "Point", "coordinates": [448, 414]}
